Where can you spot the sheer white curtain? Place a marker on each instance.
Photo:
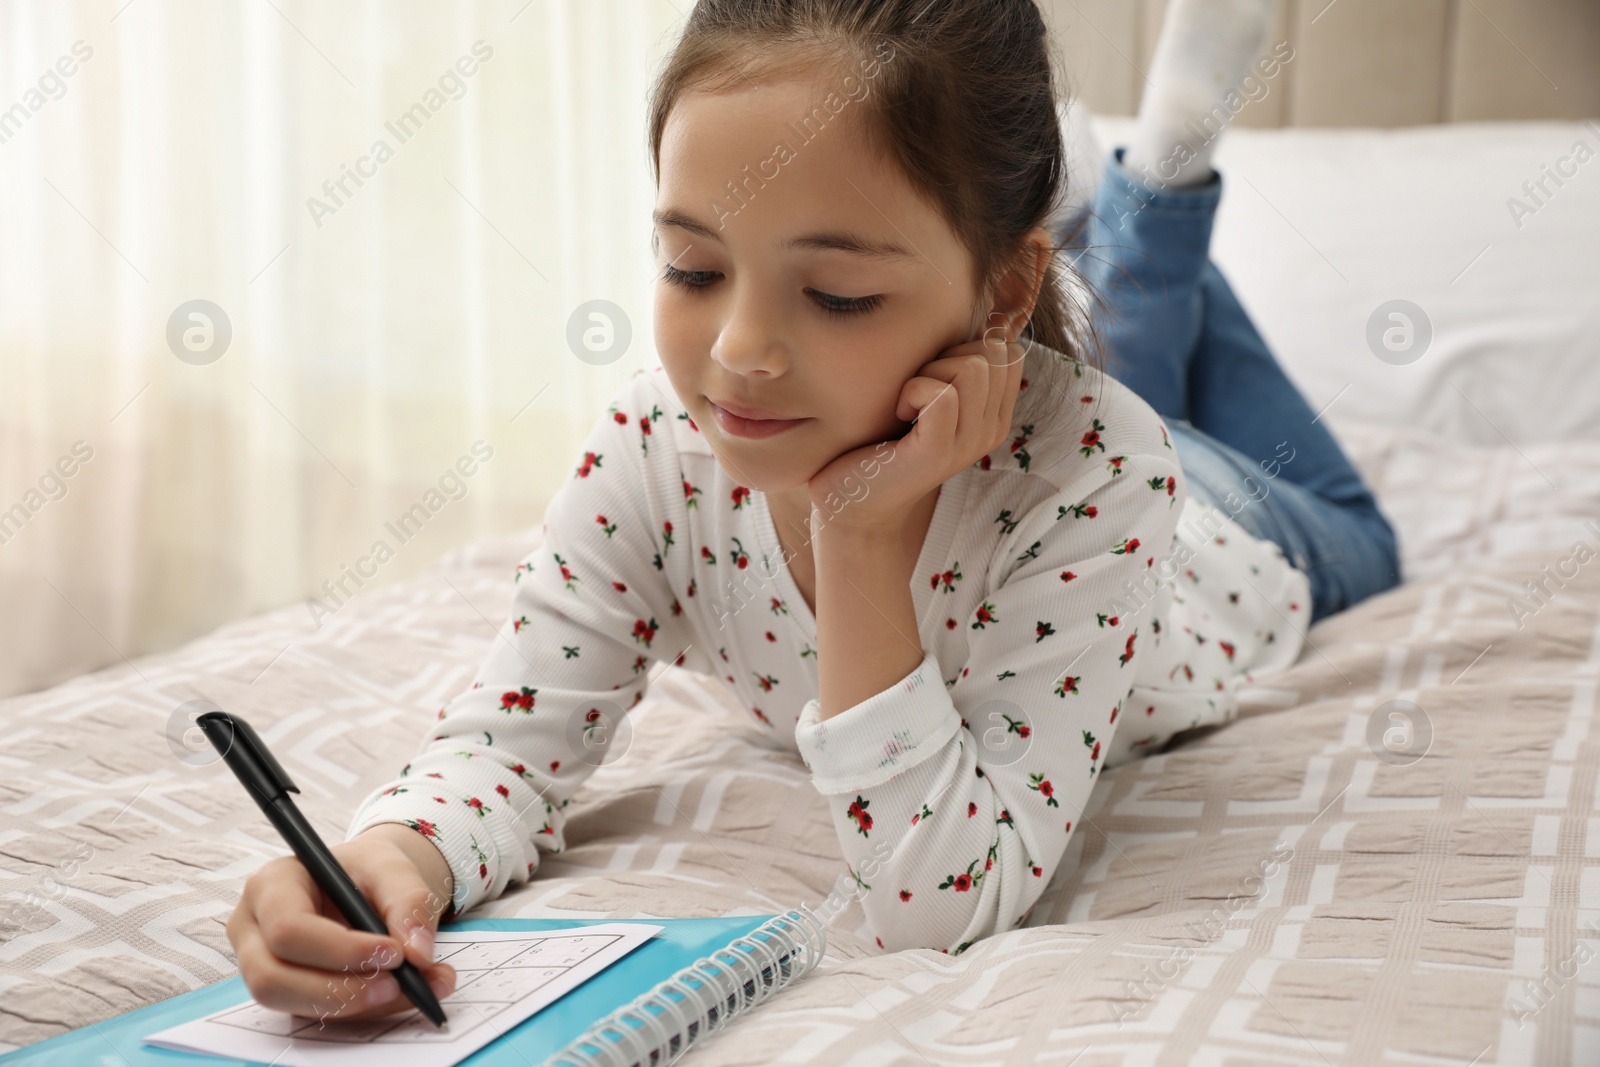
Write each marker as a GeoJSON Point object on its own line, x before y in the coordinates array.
{"type": "Point", "coordinates": [395, 208]}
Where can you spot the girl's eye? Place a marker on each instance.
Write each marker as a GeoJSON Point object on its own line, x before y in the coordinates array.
{"type": "Point", "coordinates": [689, 279]}
{"type": "Point", "coordinates": [697, 280]}
{"type": "Point", "coordinates": [840, 305]}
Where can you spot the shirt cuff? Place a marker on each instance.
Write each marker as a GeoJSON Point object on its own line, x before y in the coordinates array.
{"type": "Point", "coordinates": [438, 811]}
{"type": "Point", "coordinates": [886, 734]}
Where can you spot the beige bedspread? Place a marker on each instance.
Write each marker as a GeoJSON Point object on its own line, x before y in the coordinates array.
{"type": "Point", "coordinates": [1283, 890]}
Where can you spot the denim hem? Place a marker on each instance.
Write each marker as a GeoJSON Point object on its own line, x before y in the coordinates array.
{"type": "Point", "coordinates": [1180, 199]}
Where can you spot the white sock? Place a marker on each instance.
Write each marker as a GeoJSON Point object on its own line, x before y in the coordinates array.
{"type": "Point", "coordinates": [1205, 50]}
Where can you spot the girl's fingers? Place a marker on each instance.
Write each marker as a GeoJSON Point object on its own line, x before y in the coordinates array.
{"type": "Point", "coordinates": [919, 395]}
{"type": "Point", "coordinates": [307, 991]}
{"type": "Point", "coordinates": [986, 375]}
{"type": "Point", "coordinates": [294, 931]}
{"type": "Point", "coordinates": [999, 374]}
{"type": "Point", "coordinates": [327, 994]}
{"type": "Point", "coordinates": [1012, 383]}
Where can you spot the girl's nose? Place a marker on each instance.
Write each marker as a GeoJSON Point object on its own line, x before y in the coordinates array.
{"type": "Point", "coordinates": [751, 338]}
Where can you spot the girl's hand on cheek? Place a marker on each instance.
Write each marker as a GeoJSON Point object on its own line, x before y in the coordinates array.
{"type": "Point", "coordinates": [960, 405]}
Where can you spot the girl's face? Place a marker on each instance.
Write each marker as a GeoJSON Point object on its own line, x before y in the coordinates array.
{"type": "Point", "coordinates": [815, 294]}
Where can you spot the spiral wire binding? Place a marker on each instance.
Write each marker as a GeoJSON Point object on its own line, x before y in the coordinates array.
{"type": "Point", "coordinates": [799, 935]}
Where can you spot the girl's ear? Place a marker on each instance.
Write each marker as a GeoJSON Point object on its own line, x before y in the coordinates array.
{"type": "Point", "coordinates": [1019, 289]}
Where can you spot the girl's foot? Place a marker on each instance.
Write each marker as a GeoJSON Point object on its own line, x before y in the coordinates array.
{"type": "Point", "coordinates": [1205, 50]}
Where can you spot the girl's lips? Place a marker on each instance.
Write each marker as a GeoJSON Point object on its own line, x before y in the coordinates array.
{"type": "Point", "coordinates": [753, 428]}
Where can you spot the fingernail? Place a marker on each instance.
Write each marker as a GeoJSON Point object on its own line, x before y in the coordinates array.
{"type": "Point", "coordinates": [381, 991]}
{"type": "Point", "coordinates": [422, 938]}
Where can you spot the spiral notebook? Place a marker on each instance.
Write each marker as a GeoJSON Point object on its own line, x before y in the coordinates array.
{"type": "Point", "coordinates": [646, 1007]}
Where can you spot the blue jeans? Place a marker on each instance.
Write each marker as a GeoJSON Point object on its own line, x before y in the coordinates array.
{"type": "Point", "coordinates": [1175, 334]}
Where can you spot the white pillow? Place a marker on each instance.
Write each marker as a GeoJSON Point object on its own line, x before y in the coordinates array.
{"type": "Point", "coordinates": [1319, 227]}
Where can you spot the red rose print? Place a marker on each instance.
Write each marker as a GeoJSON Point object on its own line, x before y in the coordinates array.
{"type": "Point", "coordinates": [857, 813]}
{"type": "Point", "coordinates": [1127, 650]}
{"type": "Point", "coordinates": [1091, 440]}
{"type": "Point", "coordinates": [1041, 785]}
{"type": "Point", "coordinates": [963, 881]}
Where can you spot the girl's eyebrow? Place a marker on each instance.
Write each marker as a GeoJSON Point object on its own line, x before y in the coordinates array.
{"type": "Point", "coordinates": [829, 241]}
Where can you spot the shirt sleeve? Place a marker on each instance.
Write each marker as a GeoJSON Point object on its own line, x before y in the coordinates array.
{"type": "Point", "coordinates": [590, 610]}
{"type": "Point", "coordinates": [954, 803]}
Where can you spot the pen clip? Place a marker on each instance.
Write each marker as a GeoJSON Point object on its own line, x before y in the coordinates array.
{"type": "Point", "coordinates": [246, 753]}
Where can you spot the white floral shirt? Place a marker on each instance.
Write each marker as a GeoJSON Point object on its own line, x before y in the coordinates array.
{"type": "Point", "coordinates": [1076, 609]}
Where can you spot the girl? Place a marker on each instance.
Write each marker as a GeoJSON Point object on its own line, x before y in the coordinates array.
{"type": "Point", "coordinates": [882, 490]}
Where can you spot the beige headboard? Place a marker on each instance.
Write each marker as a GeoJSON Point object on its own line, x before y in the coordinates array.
{"type": "Point", "coordinates": [1367, 62]}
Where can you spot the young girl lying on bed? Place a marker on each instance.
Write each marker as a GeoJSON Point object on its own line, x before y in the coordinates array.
{"type": "Point", "coordinates": [881, 487]}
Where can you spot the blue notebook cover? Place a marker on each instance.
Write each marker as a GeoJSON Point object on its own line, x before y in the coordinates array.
{"type": "Point", "coordinates": [119, 1042]}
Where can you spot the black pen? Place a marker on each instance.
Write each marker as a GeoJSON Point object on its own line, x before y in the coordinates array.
{"type": "Point", "coordinates": [267, 782]}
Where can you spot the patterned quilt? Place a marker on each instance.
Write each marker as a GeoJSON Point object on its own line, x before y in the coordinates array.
{"type": "Point", "coordinates": [1392, 857]}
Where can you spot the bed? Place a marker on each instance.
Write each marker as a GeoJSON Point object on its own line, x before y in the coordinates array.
{"type": "Point", "coordinates": [1299, 887]}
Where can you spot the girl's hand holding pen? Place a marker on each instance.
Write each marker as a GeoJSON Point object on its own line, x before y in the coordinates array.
{"type": "Point", "coordinates": [297, 954]}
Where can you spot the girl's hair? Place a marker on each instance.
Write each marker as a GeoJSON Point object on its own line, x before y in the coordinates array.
{"type": "Point", "coordinates": [962, 95]}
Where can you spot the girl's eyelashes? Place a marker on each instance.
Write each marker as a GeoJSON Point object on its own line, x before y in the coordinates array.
{"type": "Point", "coordinates": [688, 279]}
{"type": "Point", "coordinates": [841, 306]}
{"type": "Point", "coordinates": [844, 306]}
